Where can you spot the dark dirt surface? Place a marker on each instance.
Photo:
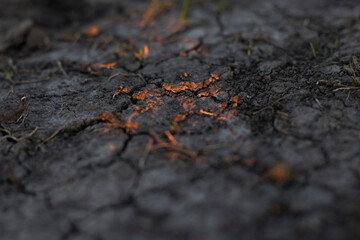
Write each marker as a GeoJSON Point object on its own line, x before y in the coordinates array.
{"type": "Point", "coordinates": [230, 127]}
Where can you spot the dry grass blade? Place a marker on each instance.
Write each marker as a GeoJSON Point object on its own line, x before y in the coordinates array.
{"type": "Point", "coordinates": [126, 75]}
{"type": "Point", "coordinates": [172, 146]}
{"type": "Point", "coordinates": [16, 139]}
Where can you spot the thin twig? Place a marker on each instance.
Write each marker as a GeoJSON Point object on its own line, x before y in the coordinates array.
{"type": "Point", "coordinates": [56, 132]}
{"type": "Point", "coordinates": [126, 75]}
{"type": "Point", "coordinates": [345, 88]}
{"type": "Point", "coordinates": [180, 148]}
{"type": "Point", "coordinates": [9, 136]}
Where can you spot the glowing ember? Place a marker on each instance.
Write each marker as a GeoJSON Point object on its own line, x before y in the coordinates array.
{"type": "Point", "coordinates": [130, 126]}
{"type": "Point", "coordinates": [140, 95]}
{"type": "Point", "coordinates": [203, 112]}
{"type": "Point", "coordinates": [179, 118]}
{"type": "Point", "coordinates": [112, 122]}
{"type": "Point", "coordinates": [93, 31]}
{"type": "Point", "coordinates": [187, 75]}
{"type": "Point", "coordinates": [223, 106]}
{"type": "Point", "coordinates": [146, 51]}
{"type": "Point", "coordinates": [142, 54]}
{"type": "Point", "coordinates": [122, 90]}
{"type": "Point", "coordinates": [216, 77]}
{"type": "Point", "coordinates": [203, 94]}
{"type": "Point", "coordinates": [108, 66]}
{"type": "Point", "coordinates": [236, 101]}
{"type": "Point", "coordinates": [282, 174]}
{"type": "Point", "coordinates": [188, 105]}
{"type": "Point", "coordinates": [171, 138]}
{"type": "Point", "coordinates": [194, 87]}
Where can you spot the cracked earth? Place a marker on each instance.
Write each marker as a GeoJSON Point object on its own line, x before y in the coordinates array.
{"type": "Point", "coordinates": [124, 120]}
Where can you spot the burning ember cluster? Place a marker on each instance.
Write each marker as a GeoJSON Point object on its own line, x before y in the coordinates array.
{"type": "Point", "coordinates": [181, 106]}
{"type": "Point", "coordinates": [196, 97]}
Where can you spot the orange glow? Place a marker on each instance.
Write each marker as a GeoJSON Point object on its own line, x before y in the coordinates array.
{"type": "Point", "coordinates": [277, 174]}
{"type": "Point", "coordinates": [216, 77]}
{"type": "Point", "coordinates": [179, 118]}
{"type": "Point", "coordinates": [152, 98]}
{"type": "Point", "coordinates": [203, 94]}
{"type": "Point", "coordinates": [108, 66]}
{"type": "Point", "coordinates": [228, 115]}
{"type": "Point", "coordinates": [203, 112]}
{"type": "Point", "coordinates": [190, 86]}
{"type": "Point", "coordinates": [112, 122]}
{"type": "Point", "coordinates": [236, 101]}
{"type": "Point", "coordinates": [188, 105]}
{"type": "Point", "coordinates": [140, 95]}
{"type": "Point", "coordinates": [282, 174]}
{"type": "Point", "coordinates": [223, 106]}
{"type": "Point", "coordinates": [130, 126]}
{"type": "Point", "coordinates": [126, 90]}
{"type": "Point", "coordinates": [141, 110]}
{"type": "Point", "coordinates": [171, 137]}
{"type": "Point", "coordinates": [182, 54]}
{"type": "Point", "coordinates": [146, 51]}
{"type": "Point", "coordinates": [142, 54]}
{"type": "Point", "coordinates": [122, 89]}
{"type": "Point", "coordinates": [92, 31]}
{"type": "Point", "coordinates": [110, 147]}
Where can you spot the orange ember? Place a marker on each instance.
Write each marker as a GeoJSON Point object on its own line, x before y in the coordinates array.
{"type": "Point", "coordinates": [108, 66]}
{"type": "Point", "coordinates": [188, 105]}
{"type": "Point", "coordinates": [130, 126]}
{"type": "Point", "coordinates": [142, 54]}
{"type": "Point", "coordinates": [146, 51]}
{"type": "Point", "coordinates": [171, 137]}
{"type": "Point", "coordinates": [282, 174]}
{"type": "Point", "coordinates": [179, 118]}
{"type": "Point", "coordinates": [187, 75]}
{"type": "Point", "coordinates": [236, 101]}
{"type": "Point", "coordinates": [122, 90]}
{"type": "Point", "coordinates": [112, 122]}
{"type": "Point", "coordinates": [203, 112]}
{"type": "Point", "coordinates": [190, 86]}
{"type": "Point", "coordinates": [92, 31]}
{"type": "Point", "coordinates": [126, 90]}
{"type": "Point", "coordinates": [216, 77]}
{"type": "Point", "coordinates": [223, 106]}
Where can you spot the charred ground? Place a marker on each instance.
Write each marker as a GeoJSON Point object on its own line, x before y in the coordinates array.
{"type": "Point", "coordinates": [118, 119]}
